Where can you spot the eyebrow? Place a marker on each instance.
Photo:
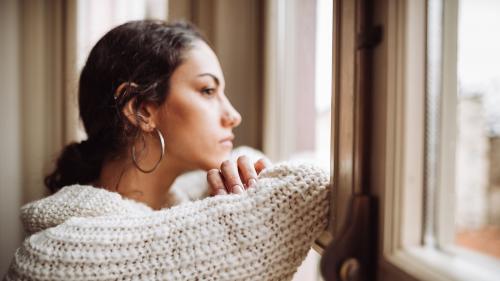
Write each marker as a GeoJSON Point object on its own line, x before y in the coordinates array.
{"type": "Point", "coordinates": [213, 77]}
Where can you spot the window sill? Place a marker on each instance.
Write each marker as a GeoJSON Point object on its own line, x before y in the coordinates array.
{"type": "Point", "coordinates": [431, 264]}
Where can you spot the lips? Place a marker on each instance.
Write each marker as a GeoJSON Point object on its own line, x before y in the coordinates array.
{"type": "Point", "coordinates": [227, 141]}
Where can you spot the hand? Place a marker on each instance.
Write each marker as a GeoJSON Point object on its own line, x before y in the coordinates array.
{"type": "Point", "coordinates": [235, 177]}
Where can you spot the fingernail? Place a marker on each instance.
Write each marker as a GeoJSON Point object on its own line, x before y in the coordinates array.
{"type": "Point", "coordinates": [238, 189]}
{"type": "Point", "coordinates": [221, 191]}
{"type": "Point", "coordinates": [252, 182]}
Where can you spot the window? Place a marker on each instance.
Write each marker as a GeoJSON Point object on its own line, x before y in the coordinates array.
{"type": "Point", "coordinates": [440, 122]}
{"type": "Point", "coordinates": [477, 168]}
{"type": "Point", "coordinates": [462, 131]}
{"type": "Point", "coordinates": [462, 126]}
{"type": "Point", "coordinates": [323, 82]}
{"type": "Point", "coordinates": [298, 89]}
{"type": "Point", "coordinates": [298, 80]}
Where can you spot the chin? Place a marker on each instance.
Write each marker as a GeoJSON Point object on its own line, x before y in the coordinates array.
{"type": "Point", "coordinates": [215, 162]}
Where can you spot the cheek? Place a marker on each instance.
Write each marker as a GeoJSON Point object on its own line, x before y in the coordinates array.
{"type": "Point", "coordinates": [194, 132]}
{"type": "Point", "coordinates": [192, 122]}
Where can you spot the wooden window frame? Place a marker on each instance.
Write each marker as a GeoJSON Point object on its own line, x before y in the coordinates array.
{"type": "Point", "coordinates": [399, 143]}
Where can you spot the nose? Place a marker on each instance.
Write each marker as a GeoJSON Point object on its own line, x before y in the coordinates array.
{"type": "Point", "coordinates": [230, 117]}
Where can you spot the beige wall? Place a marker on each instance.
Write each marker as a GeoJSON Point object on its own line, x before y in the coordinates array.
{"type": "Point", "coordinates": [34, 73]}
{"type": "Point", "coordinates": [42, 90]}
{"type": "Point", "coordinates": [10, 119]}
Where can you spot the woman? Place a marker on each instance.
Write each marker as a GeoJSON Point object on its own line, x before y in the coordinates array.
{"type": "Point", "coordinates": [151, 98]}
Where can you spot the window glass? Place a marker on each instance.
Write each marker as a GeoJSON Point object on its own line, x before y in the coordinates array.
{"type": "Point", "coordinates": [323, 93]}
{"type": "Point", "coordinates": [320, 93]}
{"type": "Point", "coordinates": [477, 177]}
{"type": "Point", "coordinates": [313, 79]}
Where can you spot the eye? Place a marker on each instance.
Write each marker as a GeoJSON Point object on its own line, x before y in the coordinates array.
{"type": "Point", "coordinates": [208, 91]}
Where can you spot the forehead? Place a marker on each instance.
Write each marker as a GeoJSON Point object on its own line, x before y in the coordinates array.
{"type": "Point", "coordinates": [198, 60]}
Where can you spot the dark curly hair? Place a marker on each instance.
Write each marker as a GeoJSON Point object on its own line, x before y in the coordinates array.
{"type": "Point", "coordinates": [144, 53]}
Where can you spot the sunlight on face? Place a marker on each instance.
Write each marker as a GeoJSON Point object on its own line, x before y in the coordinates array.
{"type": "Point", "coordinates": [197, 116]}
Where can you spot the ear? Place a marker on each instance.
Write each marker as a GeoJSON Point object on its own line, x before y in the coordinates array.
{"type": "Point", "coordinates": [143, 116]}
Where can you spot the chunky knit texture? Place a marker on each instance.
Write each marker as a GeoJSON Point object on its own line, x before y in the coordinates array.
{"type": "Point", "coordinates": [85, 233]}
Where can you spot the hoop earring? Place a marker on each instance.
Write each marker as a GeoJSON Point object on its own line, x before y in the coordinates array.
{"type": "Point", "coordinates": [162, 143]}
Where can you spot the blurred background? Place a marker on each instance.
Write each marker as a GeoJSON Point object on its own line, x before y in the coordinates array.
{"type": "Point", "coordinates": [477, 162]}
{"type": "Point", "coordinates": [276, 58]}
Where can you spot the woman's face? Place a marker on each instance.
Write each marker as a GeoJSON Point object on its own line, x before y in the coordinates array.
{"type": "Point", "coordinates": [197, 118]}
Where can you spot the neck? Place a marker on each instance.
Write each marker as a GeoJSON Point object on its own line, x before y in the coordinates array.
{"type": "Point", "coordinates": [123, 177]}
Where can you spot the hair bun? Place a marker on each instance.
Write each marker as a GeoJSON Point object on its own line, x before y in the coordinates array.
{"type": "Point", "coordinates": [78, 163]}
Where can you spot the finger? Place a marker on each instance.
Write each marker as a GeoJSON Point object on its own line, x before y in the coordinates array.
{"type": "Point", "coordinates": [247, 171]}
{"type": "Point", "coordinates": [215, 182]}
{"type": "Point", "coordinates": [231, 177]}
{"type": "Point", "coordinates": [261, 164]}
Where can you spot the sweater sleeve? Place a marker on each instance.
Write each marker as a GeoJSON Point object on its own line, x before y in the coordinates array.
{"type": "Point", "coordinates": [263, 234]}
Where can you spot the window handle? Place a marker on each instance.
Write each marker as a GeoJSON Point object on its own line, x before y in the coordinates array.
{"type": "Point", "coordinates": [351, 255]}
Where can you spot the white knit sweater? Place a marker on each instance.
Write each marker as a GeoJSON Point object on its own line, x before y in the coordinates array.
{"type": "Point", "coordinates": [85, 233]}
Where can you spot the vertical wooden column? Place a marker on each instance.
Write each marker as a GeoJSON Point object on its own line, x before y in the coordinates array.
{"type": "Point", "coordinates": [351, 254]}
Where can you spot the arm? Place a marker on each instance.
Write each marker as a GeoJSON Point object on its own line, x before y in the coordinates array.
{"type": "Point", "coordinates": [265, 232]}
